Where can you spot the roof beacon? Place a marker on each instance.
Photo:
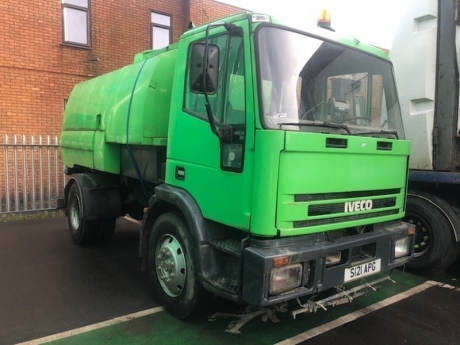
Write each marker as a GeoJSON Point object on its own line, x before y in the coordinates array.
{"type": "Point", "coordinates": [324, 19]}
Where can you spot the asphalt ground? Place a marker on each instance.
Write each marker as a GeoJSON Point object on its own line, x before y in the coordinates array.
{"type": "Point", "coordinates": [435, 322]}
{"type": "Point", "coordinates": [49, 285]}
{"type": "Point", "coordinates": [53, 291]}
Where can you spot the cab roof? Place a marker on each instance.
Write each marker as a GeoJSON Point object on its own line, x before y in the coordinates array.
{"type": "Point", "coordinates": [257, 18]}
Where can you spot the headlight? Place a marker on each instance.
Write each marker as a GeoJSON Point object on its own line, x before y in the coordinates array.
{"type": "Point", "coordinates": [285, 278]}
{"type": "Point", "coordinates": [402, 247]}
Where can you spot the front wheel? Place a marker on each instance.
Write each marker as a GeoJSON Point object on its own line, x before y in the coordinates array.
{"type": "Point", "coordinates": [173, 267]}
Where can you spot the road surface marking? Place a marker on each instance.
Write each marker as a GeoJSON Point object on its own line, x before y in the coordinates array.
{"type": "Point", "coordinates": [362, 312]}
{"type": "Point", "coordinates": [93, 327]}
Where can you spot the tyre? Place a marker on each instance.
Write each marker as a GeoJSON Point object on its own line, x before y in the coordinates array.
{"type": "Point", "coordinates": [435, 246]}
{"type": "Point", "coordinates": [173, 267]}
{"type": "Point", "coordinates": [81, 230]}
{"type": "Point", "coordinates": [106, 229]}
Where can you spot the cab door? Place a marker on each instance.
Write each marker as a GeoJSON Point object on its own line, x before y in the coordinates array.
{"type": "Point", "coordinates": [217, 174]}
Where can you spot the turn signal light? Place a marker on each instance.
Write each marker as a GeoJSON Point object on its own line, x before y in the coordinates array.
{"type": "Point", "coordinates": [281, 261]}
{"type": "Point", "coordinates": [411, 231]}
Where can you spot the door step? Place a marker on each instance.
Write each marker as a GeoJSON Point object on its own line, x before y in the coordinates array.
{"type": "Point", "coordinates": [224, 282]}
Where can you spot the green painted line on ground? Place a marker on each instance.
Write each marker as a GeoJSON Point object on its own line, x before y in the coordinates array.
{"type": "Point", "coordinates": [161, 328]}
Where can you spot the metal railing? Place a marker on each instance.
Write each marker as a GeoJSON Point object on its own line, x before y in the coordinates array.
{"type": "Point", "coordinates": [31, 176]}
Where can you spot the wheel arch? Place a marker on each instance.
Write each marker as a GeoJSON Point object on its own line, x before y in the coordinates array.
{"type": "Point", "coordinates": [100, 193]}
{"type": "Point", "coordinates": [445, 206]}
{"type": "Point", "coordinates": [172, 199]}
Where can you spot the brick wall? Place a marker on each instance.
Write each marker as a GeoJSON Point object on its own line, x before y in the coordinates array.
{"type": "Point", "coordinates": [37, 71]}
{"type": "Point", "coordinates": [205, 11]}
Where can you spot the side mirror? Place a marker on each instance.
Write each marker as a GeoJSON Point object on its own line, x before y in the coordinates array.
{"type": "Point", "coordinates": [199, 69]}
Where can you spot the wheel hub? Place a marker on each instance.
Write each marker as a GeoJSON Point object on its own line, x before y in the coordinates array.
{"type": "Point", "coordinates": [422, 235]}
{"type": "Point", "coordinates": [170, 265]}
{"type": "Point", "coordinates": [74, 212]}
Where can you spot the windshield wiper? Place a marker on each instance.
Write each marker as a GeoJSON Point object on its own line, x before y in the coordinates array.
{"type": "Point", "coordinates": [317, 124]}
{"type": "Point", "coordinates": [395, 133]}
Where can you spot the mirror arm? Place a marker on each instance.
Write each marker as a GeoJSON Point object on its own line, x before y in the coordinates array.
{"type": "Point", "coordinates": [233, 30]}
{"type": "Point", "coordinates": [209, 112]}
{"type": "Point", "coordinates": [225, 132]}
{"type": "Point", "coordinates": [212, 122]}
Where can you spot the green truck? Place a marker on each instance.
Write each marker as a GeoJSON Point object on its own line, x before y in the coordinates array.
{"type": "Point", "coordinates": [267, 164]}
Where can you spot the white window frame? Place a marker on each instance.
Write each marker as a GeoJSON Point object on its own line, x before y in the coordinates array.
{"type": "Point", "coordinates": [160, 21]}
{"type": "Point", "coordinates": [76, 5]}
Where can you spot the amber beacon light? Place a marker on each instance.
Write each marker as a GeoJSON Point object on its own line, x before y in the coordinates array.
{"type": "Point", "coordinates": [324, 19]}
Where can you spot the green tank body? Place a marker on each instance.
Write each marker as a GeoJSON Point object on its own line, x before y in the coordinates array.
{"type": "Point", "coordinates": [127, 106]}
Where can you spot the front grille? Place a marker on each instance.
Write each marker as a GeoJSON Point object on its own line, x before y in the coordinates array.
{"type": "Point", "coordinates": [320, 210]}
{"type": "Point", "coordinates": [336, 234]}
{"type": "Point", "coordinates": [345, 195]}
{"type": "Point", "coordinates": [305, 223]}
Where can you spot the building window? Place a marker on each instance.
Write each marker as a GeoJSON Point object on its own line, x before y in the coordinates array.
{"type": "Point", "coordinates": [75, 22]}
{"type": "Point", "coordinates": [160, 30]}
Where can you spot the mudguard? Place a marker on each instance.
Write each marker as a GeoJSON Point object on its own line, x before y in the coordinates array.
{"type": "Point", "coordinates": [100, 194]}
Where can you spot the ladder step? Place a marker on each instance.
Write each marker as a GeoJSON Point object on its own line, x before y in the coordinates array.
{"type": "Point", "coordinates": [225, 282]}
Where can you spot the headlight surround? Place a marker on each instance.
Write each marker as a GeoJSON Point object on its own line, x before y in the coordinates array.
{"type": "Point", "coordinates": [402, 247]}
{"type": "Point", "coordinates": [285, 278]}
{"type": "Point", "coordinates": [333, 258]}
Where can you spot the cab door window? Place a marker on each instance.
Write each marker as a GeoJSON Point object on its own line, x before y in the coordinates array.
{"type": "Point", "coordinates": [228, 103]}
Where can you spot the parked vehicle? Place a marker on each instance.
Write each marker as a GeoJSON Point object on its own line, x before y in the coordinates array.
{"type": "Point", "coordinates": [267, 164]}
{"type": "Point", "coordinates": [425, 55]}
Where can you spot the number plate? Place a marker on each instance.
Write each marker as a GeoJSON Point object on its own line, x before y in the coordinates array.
{"type": "Point", "coordinates": [362, 270]}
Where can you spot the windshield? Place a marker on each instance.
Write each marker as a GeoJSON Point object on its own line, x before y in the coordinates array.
{"type": "Point", "coordinates": [306, 82]}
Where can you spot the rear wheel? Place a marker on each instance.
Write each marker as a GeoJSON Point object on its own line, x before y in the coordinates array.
{"type": "Point", "coordinates": [435, 246]}
{"type": "Point", "coordinates": [173, 267]}
{"type": "Point", "coordinates": [81, 230]}
{"type": "Point", "coordinates": [106, 229]}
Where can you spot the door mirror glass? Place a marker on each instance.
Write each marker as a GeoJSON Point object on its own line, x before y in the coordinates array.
{"type": "Point", "coordinates": [204, 75]}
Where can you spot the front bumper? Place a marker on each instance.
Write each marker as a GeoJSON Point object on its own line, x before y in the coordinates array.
{"type": "Point", "coordinates": [311, 252]}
